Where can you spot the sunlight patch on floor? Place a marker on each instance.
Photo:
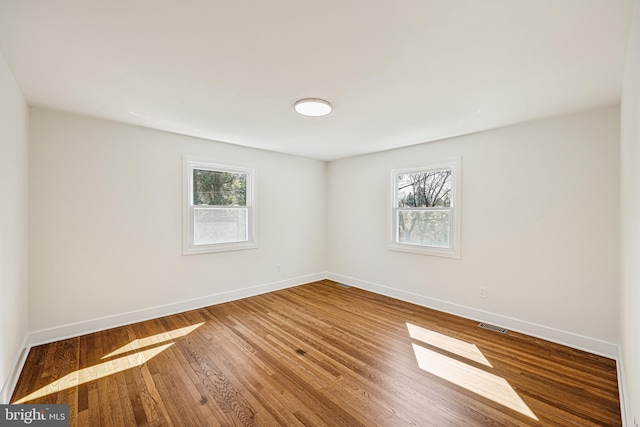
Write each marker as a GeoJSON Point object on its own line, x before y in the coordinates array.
{"type": "Point", "coordinates": [96, 372]}
{"type": "Point", "coordinates": [154, 339]}
{"type": "Point", "coordinates": [471, 378]}
{"type": "Point", "coordinates": [114, 366]}
{"type": "Point", "coordinates": [450, 344]}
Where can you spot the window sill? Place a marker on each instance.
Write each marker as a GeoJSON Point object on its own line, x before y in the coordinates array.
{"type": "Point", "coordinates": [222, 247]}
{"type": "Point", "coordinates": [425, 250]}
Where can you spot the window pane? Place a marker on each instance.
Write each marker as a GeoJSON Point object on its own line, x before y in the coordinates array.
{"type": "Point", "coordinates": [217, 188]}
{"type": "Point", "coordinates": [424, 189]}
{"type": "Point", "coordinates": [427, 228]}
{"type": "Point", "coordinates": [219, 226]}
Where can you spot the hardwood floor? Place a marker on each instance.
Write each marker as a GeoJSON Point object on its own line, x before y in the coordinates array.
{"type": "Point", "coordinates": [319, 355]}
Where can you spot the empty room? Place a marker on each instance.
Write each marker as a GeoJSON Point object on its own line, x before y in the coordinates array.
{"type": "Point", "coordinates": [288, 213]}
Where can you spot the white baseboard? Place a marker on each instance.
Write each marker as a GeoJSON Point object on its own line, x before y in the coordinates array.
{"type": "Point", "coordinates": [569, 339]}
{"type": "Point", "coordinates": [10, 384]}
{"type": "Point", "coordinates": [627, 416]}
{"type": "Point", "coordinates": [81, 328]}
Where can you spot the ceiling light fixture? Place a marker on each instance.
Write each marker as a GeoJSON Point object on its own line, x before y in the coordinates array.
{"type": "Point", "coordinates": [313, 107]}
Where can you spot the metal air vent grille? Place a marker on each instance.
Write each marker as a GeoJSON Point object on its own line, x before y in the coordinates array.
{"type": "Point", "coordinates": [492, 328]}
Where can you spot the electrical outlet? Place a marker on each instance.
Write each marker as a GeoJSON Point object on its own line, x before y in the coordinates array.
{"type": "Point", "coordinates": [483, 292]}
{"type": "Point", "coordinates": [278, 268]}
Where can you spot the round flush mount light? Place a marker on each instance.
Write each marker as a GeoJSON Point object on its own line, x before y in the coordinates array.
{"type": "Point", "coordinates": [313, 107]}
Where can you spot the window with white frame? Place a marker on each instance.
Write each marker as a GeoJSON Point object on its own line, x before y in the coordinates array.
{"type": "Point", "coordinates": [425, 209]}
{"type": "Point", "coordinates": [219, 207]}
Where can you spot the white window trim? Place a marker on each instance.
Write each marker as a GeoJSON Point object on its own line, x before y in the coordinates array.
{"type": "Point", "coordinates": [454, 251]}
{"type": "Point", "coordinates": [188, 165]}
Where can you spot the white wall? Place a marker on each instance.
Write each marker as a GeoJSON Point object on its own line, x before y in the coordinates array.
{"type": "Point", "coordinates": [106, 224]}
{"type": "Point", "coordinates": [630, 225]}
{"type": "Point", "coordinates": [13, 225]}
{"type": "Point", "coordinates": [540, 204]}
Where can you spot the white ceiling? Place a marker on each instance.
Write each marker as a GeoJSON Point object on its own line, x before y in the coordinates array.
{"type": "Point", "coordinates": [397, 72]}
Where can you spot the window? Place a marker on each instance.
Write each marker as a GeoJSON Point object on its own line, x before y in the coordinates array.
{"type": "Point", "coordinates": [425, 209]}
{"type": "Point", "coordinates": [219, 207]}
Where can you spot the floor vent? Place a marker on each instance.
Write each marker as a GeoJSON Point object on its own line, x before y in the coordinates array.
{"type": "Point", "coordinates": [492, 328]}
{"type": "Point", "coordinates": [342, 285]}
